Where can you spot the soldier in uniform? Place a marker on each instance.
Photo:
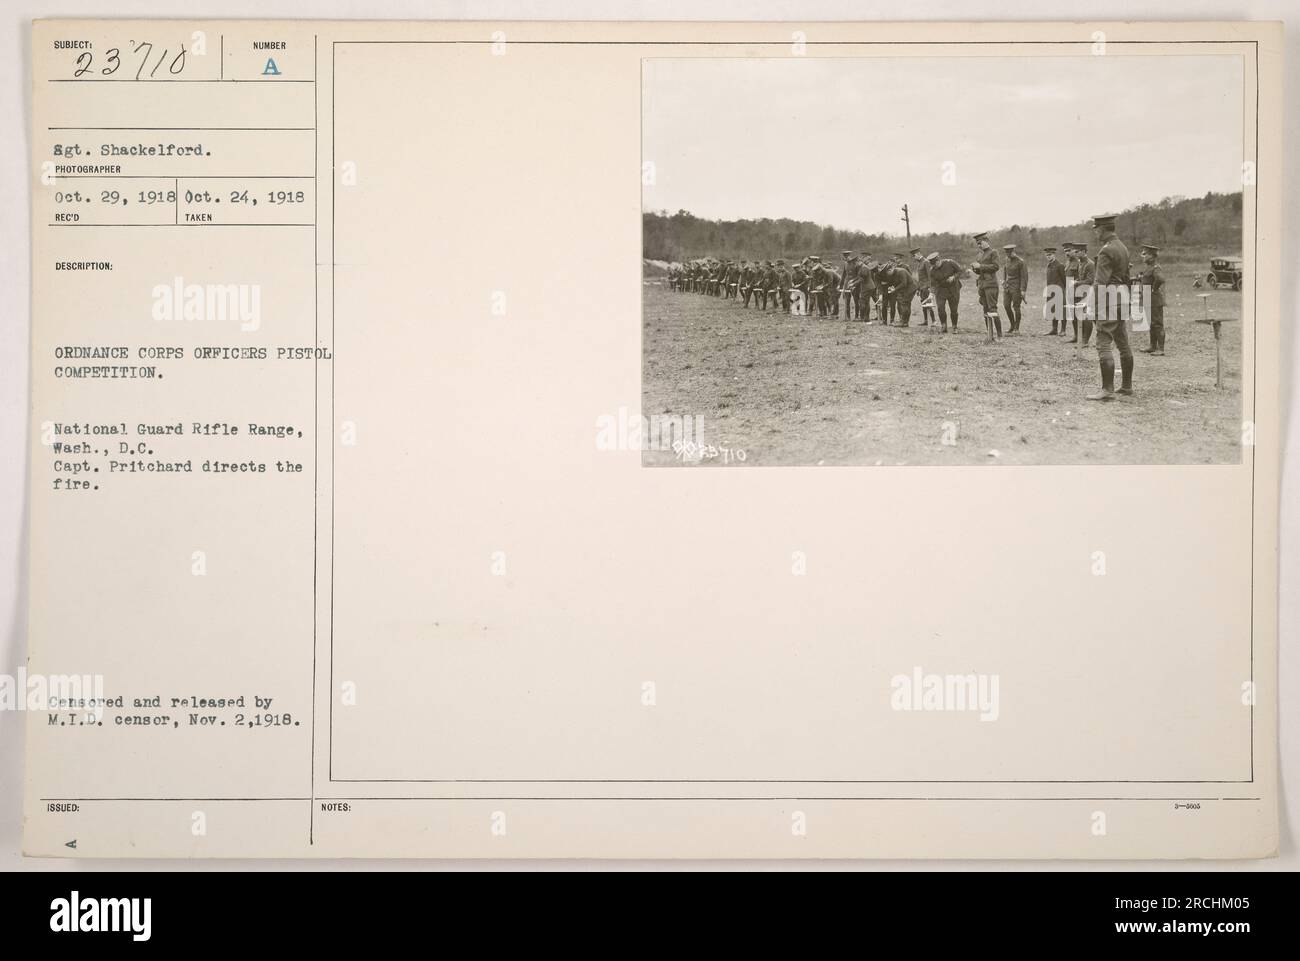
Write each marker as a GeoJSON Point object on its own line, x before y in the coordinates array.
{"type": "Point", "coordinates": [818, 280]}
{"type": "Point", "coordinates": [945, 282]}
{"type": "Point", "coordinates": [747, 280]}
{"type": "Point", "coordinates": [1071, 280]}
{"type": "Point", "coordinates": [986, 283]}
{"type": "Point", "coordinates": [1153, 292]}
{"type": "Point", "coordinates": [1084, 302]}
{"type": "Point", "coordinates": [1015, 281]}
{"type": "Point", "coordinates": [1054, 293]}
{"type": "Point", "coordinates": [809, 295]}
{"type": "Point", "coordinates": [768, 284]}
{"type": "Point", "coordinates": [852, 286]}
{"type": "Point", "coordinates": [866, 286]}
{"type": "Point", "coordinates": [782, 292]}
{"type": "Point", "coordinates": [799, 282]}
{"type": "Point", "coordinates": [833, 291]}
{"type": "Point", "coordinates": [884, 298]}
{"type": "Point", "coordinates": [923, 288]}
{"type": "Point", "coordinates": [1110, 311]}
{"type": "Point", "coordinates": [900, 285]}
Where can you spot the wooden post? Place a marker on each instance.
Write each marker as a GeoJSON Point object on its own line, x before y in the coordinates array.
{"type": "Point", "coordinates": [1217, 323]}
{"type": "Point", "coordinates": [1218, 355]}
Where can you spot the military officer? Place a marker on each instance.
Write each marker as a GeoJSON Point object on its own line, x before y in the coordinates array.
{"type": "Point", "coordinates": [866, 285]}
{"type": "Point", "coordinates": [748, 278]}
{"type": "Point", "coordinates": [1110, 311]}
{"type": "Point", "coordinates": [852, 285]}
{"type": "Point", "coordinates": [768, 284]}
{"type": "Point", "coordinates": [923, 288]}
{"type": "Point", "coordinates": [945, 282]}
{"type": "Point", "coordinates": [986, 284]}
{"type": "Point", "coordinates": [782, 292]}
{"type": "Point", "coordinates": [1084, 302]}
{"type": "Point", "coordinates": [799, 282]}
{"type": "Point", "coordinates": [1153, 295]}
{"type": "Point", "coordinates": [1015, 281]}
{"type": "Point", "coordinates": [901, 286]}
{"type": "Point", "coordinates": [1071, 280]}
{"type": "Point", "coordinates": [1054, 293]}
{"type": "Point", "coordinates": [886, 294]}
{"type": "Point", "coordinates": [820, 280]}
{"type": "Point", "coordinates": [833, 280]}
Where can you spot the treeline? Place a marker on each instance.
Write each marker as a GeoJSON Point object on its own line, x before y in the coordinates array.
{"type": "Point", "coordinates": [1213, 220]}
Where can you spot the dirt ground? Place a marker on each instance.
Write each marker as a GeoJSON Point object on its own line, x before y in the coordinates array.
{"type": "Point", "coordinates": [802, 390]}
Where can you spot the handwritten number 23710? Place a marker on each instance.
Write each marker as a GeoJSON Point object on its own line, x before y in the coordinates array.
{"type": "Point", "coordinates": [141, 53]}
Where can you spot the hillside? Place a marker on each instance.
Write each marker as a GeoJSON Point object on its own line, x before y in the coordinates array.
{"type": "Point", "coordinates": [1213, 221]}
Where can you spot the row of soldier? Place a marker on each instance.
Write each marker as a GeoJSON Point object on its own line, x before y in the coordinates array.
{"type": "Point", "coordinates": [862, 285]}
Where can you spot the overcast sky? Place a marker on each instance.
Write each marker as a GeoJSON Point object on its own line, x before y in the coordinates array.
{"type": "Point", "coordinates": [846, 142]}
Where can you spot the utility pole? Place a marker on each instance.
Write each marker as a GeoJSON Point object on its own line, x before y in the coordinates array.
{"type": "Point", "coordinates": [907, 223]}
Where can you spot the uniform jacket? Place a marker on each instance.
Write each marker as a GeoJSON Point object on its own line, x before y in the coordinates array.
{"type": "Point", "coordinates": [1154, 280]}
{"type": "Point", "coordinates": [1112, 263]}
{"type": "Point", "coordinates": [1055, 274]}
{"type": "Point", "coordinates": [1015, 278]}
{"type": "Point", "coordinates": [901, 279]}
{"type": "Point", "coordinates": [923, 275]}
{"type": "Point", "coordinates": [1112, 274]}
{"type": "Point", "coordinates": [986, 269]}
{"type": "Point", "coordinates": [946, 274]}
{"type": "Point", "coordinates": [1083, 278]}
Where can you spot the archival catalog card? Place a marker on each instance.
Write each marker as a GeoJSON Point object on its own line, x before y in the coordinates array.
{"type": "Point", "coordinates": [653, 440]}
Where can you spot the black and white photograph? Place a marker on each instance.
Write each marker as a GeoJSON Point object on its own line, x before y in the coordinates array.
{"type": "Point", "coordinates": [937, 261]}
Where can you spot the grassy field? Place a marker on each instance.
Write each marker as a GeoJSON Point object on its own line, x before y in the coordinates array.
{"type": "Point", "coordinates": [799, 390]}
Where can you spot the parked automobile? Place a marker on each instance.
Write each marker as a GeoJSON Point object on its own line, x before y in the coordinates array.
{"type": "Point", "coordinates": [1224, 272]}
